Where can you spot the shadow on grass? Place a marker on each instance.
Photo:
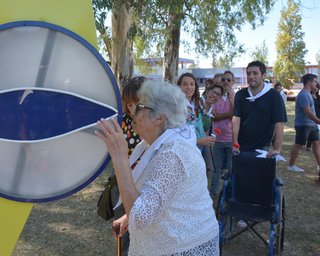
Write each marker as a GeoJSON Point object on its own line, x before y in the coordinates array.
{"type": "Point", "coordinates": [302, 234]}
{"type": "Point", "coordinates": [72, 227]}
{"type": "Point", "coordinates": [69, 226]}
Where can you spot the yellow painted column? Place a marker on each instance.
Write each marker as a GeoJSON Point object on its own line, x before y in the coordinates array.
{"type": "Point", "coordinates": [13, 216]}
{"type": "Point", "coordinates": [75, 15]}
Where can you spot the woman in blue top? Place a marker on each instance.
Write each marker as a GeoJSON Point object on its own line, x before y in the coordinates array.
{"type": "Point", "coordinates": [189, 86]}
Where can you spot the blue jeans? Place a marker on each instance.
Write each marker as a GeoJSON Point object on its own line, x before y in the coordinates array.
{"type": "Point", "coordinates": [222, 152]}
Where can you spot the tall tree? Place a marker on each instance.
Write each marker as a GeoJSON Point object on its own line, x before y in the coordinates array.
{"type": "Point", "coordinates": [101, 9]}
{"type": "Point", "coordinates": [261, 53]}
{"type": "Point", "coordinates": [211, 24]}
{"type": "Point", "coordinates": [122, 39]}
{"type": "Point", "coordinates": [290, 46]}
{"type": "Point", "coordinates": [118, 41]}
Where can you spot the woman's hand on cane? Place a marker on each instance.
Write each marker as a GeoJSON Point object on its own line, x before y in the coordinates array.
{"type": "Point", "coordinates": [120, 226]}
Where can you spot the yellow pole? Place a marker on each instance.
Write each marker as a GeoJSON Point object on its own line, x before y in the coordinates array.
{"type": "Point", "coordinates": [75, 15]}
{"type": "Point", "coordinates": [13, 216]}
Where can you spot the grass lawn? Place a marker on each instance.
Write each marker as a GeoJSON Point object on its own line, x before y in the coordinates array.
{"type": "Point", "coordinates": [72, 227]}
{"type": "Point", "coordinates": [302, 230]}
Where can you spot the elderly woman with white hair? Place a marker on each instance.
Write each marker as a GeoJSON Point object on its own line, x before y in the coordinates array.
{"type": "Point", "coordinates": [167, 203]}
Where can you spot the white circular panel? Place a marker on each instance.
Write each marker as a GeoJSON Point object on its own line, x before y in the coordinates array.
{"type": "Point", "coordinates": [54, 87]}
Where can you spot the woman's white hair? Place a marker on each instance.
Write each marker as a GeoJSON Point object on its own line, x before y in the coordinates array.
{"type": "Point", "coordinates": [165, 98]}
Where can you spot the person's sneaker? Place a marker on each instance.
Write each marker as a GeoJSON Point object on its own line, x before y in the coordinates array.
{"type": "Point", "coordinates": [242, 224]}
{"type": "Point", "coordinates": [294, 168]}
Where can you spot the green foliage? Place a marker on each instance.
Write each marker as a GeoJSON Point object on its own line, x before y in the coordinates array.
{"type": "Point", "coordinates": [144, 67]}
{"type": "Point", "coordinates": [290, 46]}
{"type": "Point", "coordinates": [223, 62]}
{"type": "Point", "coordinates": [194, 65]}
{"type": "Point", "coordinates": [261, 53]}
{"type": "Point", "coordinates": [210, 23]}
{"type": "Point", "coordinates": [101, 9]}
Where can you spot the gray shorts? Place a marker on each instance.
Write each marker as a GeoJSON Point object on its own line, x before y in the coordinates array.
{"type": "Point", "coordinates": [303, 133]}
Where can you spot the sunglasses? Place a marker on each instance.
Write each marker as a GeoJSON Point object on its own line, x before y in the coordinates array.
{"type": "Point", "coordinates": [141, 106]}
{"type": "Point", "coordinates": [223, 79]}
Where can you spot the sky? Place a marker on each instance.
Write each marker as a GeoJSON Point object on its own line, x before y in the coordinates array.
{"type": "Point", "coordinates": [268, 32]}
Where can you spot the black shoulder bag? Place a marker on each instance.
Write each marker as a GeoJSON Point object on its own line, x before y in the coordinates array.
{"type": "Point", "coordinates": [105, 207]}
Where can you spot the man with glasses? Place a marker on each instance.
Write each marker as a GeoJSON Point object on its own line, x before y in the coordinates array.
{"type": "Point", "coordinates": [228, 82]}
{"type": "Point", "coordinates": [222, 150]}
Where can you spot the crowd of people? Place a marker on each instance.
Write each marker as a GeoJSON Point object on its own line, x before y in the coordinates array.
{"type": "Point", "coordinates": [178, 143]}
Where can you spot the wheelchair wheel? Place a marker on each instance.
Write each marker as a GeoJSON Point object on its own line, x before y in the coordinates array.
{"type": "Point", "coordinates": [283, 223]}
{"type": "Point", "coordinates": [280, 227]}
{"type": "Point", "coordinates": [225, 222]}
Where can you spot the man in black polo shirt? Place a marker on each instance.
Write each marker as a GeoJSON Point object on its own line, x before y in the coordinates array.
{"type": "Point", "coordinates": [259, 114]}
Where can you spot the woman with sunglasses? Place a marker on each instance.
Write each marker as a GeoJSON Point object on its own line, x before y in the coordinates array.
{"type": "Point", "coordinates": [166, 201]}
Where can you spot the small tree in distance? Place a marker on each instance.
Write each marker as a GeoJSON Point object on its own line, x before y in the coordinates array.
{"type": "Point", "coordinates": [291, 49]}
{"type": "Point", "coordinates": [225, 61]}
{"type": "Point", "coordinates": [261, 53]}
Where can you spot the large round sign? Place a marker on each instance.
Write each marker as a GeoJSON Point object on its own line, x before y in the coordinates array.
{"type": "Point", "coordinates": [54, 86]}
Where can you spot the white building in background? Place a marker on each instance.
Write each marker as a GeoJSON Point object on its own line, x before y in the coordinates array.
{"type": "Point", "coordinates": [205, 73]}
{"type": "Point", "coordinates": [157, 68]}
{"type": "Point", "coordinates": [185, 65]}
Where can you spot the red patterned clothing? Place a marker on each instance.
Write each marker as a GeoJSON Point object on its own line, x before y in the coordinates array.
{"type": "Point", "coordinates": [131, 137]}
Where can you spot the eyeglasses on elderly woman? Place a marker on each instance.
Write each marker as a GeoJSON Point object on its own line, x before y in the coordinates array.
{"type": "Point", "coordinates": [141, 106]}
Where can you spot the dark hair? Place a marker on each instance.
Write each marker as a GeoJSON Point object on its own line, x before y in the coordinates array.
{"type": "Point", "coordinates": [260, 64]}
{"type": "Point", "coordinates": [221, 87]}
{"type": "Point", "coordinates": [218, 75]}
{"type": "Point", "coordinates": [210, 81]}
{"type": "Point", "coordinates": [318, 91]}
{"type": "Point", "coordinates": [307, 77]}
{"type": "Point", "coordinates": [229, 72]}
{"type": "Point", "coordinates": [130, 90]}
{"type": "Point", "coordinates": [196, 96]}
{"type": "Point", "coordinates": [277, 84]}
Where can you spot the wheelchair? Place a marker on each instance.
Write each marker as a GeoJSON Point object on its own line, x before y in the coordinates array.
{"type": "Point", "coordinates": [252, 193]}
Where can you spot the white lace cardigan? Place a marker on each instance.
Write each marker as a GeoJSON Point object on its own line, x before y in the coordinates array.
{"type": "Point", "coordinates": [174, 212]}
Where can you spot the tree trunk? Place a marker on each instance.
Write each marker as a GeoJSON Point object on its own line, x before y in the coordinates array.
{"type": "Point", "coordinates": [122, 53]}
{"type": "Point", "coordinates": [107, 42]}
{"type": "Point", "coordinates": [171, 51]}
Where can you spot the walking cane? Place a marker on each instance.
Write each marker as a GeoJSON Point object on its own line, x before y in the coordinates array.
{"type": "Point", "coordinates": [118, 245]}
{"type": "Point", "coordinates": [116, 229]}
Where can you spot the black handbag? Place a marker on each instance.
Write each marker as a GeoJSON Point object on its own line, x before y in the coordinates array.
{"type": "Point", "coordinates": [105, 207]}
